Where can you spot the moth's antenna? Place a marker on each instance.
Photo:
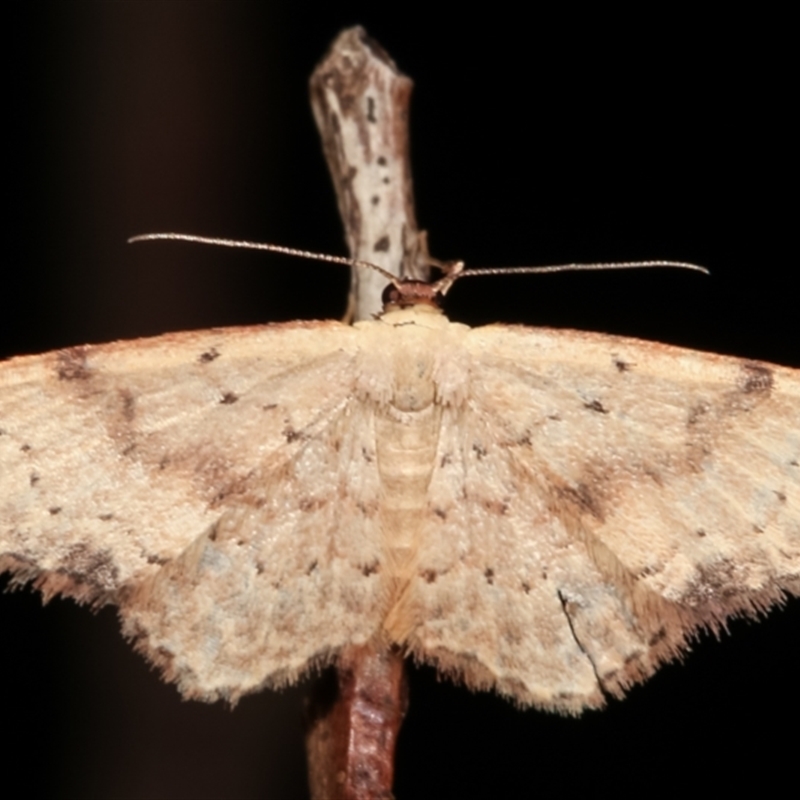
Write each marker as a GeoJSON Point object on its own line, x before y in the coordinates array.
{"type": "Point", "coordinates": [455, 270]}
{"type": "Point", "coordinates": [273, 248]}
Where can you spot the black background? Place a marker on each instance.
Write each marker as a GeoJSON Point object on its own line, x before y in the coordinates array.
{"type": "Point", "coordinates": [536, 139]}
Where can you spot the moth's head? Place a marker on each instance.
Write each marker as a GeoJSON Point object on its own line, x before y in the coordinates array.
{"type": "Point", "coordinates": [403, 293]}
{"type": "Point", "coordinates": [408, 293]}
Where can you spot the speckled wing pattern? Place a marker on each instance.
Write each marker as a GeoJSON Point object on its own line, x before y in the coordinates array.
{"type": "Point", "coordinates": [188, 478]}
{"type": "Point", "coordinates": [597, 500]}
{"type": "Point", "coordinates": [549, 514]}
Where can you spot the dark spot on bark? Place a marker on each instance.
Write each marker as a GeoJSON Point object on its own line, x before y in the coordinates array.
{"type": "Point", "coordinates": [382, 245]}
{"type": "Point", "coordinates": [447, 458]}
{"type": "Point", "coordinates": [156, 559]}
{"type": "Point", "coordinates": [754, 378]}
{"type": "Point", "coordinates": [54, 510]}
{"type": "Point", "coordinates": [525, 439]}
{"type": "Point", "coordinates": [629, 659]}
{"type": "Point", "coordinates": [479, 450]}
{"type": "Point", "coordinates": [386, 180]}
{"type": "Point", "coordinates": [259, 567]}
{"type": "Point", "coordinates": [312, 566]}
{"type": "Point", "coordinates": [622, 366]}
{"type": "Point", "coordinates": [430, 575]}
{"type": "Point", "coordinates": [209, 356]}
{"type": "Point", "coordinates": [367, 456]}
{"type": "Point", "coordinates": [440, 512]}
{"type": "Point", "coordinates": [213, 534]}
{"type": "Point", "coordinates": [164, 463]}
{"type": "Point", "coordinates": [544, 574]}
{"type": "Point", "coordinates": [72, 365]}
{"type": "Point", "coordinates": [700, 532]}
{"type": "Point", "coordinates": [105, 517]}
{"type": "Point", "coordinates": [126, 451]}
{"type": "Point", "coordinates": [229, 398]}
{"type": "Point", "coordinates": [382, 161]}
{"type": "Point", "coordinates": [375, 200]}
{"type": "Point", "coordinates": [554, 417]}
{"type": "Point", "coordinates": [657, 637]}
{"type": "Point", "coordinates": [269, 406]}
{"type": "Point", "coordinates": [526, 587]}
{"type": "Point", "coordinates": [488, 573]}
{"type": "Point", "coordinates": [781, 497]}
{"type": "Point", "coordinates": [794, 463]}
{"type": "Point", "coordinates": [757, 529]}
{"type": "Point", "coordinates": [371, 110]}
{"type": "Point", "coordinates": [596, 405]}
{"type": "Point", "coordinates": [25, 448]}
{"type": "Point", "coordinates": [370, 569]}
{"type": "Point", "coordinates": [34, 479]}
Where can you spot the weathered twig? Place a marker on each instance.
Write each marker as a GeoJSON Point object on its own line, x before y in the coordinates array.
{"type": "Point", "coordinates": [360, 103]}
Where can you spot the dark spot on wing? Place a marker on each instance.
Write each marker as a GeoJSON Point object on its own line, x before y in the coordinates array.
{"type": "Point", "coordinates": [697, 412]}
{"type": "Point", "coordinates": [447, 458]}
{"type": "Point", "coordinates": [622, 366]}
{"type": "Point", "coordinates": [156, 559]}
{"type": "Point", "coordinates": [596, 405]}
{"type": "Point", "coordinates": [382, 245]}
{"type": "Point", "coordinates": [371, 110]}
{"type": "Point", "coordinates": [25, 448]}
{"type": "Point", "coordinates": [269, 406]}
{"type": "Point", "coordinates": [382, 161]}
{"type": "Point", "coordinates": [126, 451]}
{"type": "Point", "coordinates": [440, 512]}
{"type": "Point", "coordinates": [582, 497]}
{"type": "Point", "coordinates": [105, 517]}
{"type": "Point", "coordinates": [71, 364]}
{"type": "Point", "coordinates": [430, 575]}
{"type": "Point", "coordinates": [312, 566]}
{"type": "Point", "coordinates": [526, 587]}
{"type": "Point", "coordinates": [210, 355]}
{"type": "Point", "coordinates": [375, 200]}
{"type": "Point", "coordinates": [754, 378]}
{"type": "Point", "coordinates": [714, 580]}
{"type": "Point", "coordinates": [700, 532]}
{"type": "Point", "coordinates": [292, 435]}
{"type": "Point", "coordinates": [93, 567]}
{"type": "Point", "coordinates": [479, 450]}
{"type": "Point", "coordinates": [54, 510]}
{"type": "Point", "coordinates": [128, 404]}
{"type": "Point", "coordinates": [488, 573]}
{"type": "Point", "coordinates": [307, 504]}
{"type": "Point", "coordinates": [495, 506]}
{"type": "Point", "coordinates": [229, 398]}
{"type": "Point", "coordinates": [525, 439]}
{"type": "Point", "coordinates": [370, 569]}
{"type": "Point", "coordinates": [34, 479]}
{"type": "Point", "coordinates": [657, 637]}
{"type": "Point", "coordinates": [366, 454]}
{"type": "Point", "coordinates": [781, 497]}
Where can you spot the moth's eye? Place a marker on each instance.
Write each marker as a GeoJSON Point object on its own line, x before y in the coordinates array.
{"type": "Point", "coordinates": [391, 295]}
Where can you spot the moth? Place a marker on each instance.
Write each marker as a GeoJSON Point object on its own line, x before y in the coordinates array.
{"type": "Point", "coordinates": [549, 514]}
